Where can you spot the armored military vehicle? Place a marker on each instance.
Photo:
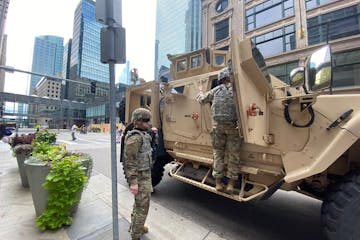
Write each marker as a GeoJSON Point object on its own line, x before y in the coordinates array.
{"type": "Point", "coordinates": [296, 137]}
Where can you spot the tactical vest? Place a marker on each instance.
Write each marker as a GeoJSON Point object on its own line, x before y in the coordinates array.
{"type": "Point", "coordinates": [223, 107]}
{"type": "Point", "coordinates": [143, 157]}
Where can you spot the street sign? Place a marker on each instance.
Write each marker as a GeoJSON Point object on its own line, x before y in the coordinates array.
{"type": "Point", "coordinates": [113, 45]}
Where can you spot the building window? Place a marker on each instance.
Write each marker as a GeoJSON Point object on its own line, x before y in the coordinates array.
{"type": "Point", "coordinates": [221, 30]}
{"type": "Point", "coordinates": [346, 72]}
{"type": "Point", "coordinates": [314, 3]}
{"type": "Point", "coordinates": [334, 25]}
{"type": "Point", "coordinates": [268, 12]}
{"type": "Point", "coordinates": [277, 41]}
{"type": "Point", "coordinates": [282, 71]}
{"type": "Point", "coordinates": [221, 6]}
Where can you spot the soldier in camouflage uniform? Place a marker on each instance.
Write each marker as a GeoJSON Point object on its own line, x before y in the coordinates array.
{"type": "Point", "coordinates": [225, 136]}
{"type": "Point", "coordinates": [138, 169]}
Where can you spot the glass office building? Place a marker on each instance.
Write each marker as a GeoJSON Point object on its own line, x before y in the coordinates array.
{"type": "Point", "coordinates": [178, 29]}
{"type": "Point", "coordinates": [47, 58]}
{"type": "Point", "coordinates": [85, 53]}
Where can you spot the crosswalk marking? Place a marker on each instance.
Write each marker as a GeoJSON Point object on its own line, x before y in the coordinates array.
{"type": "Point", "coordinates": [84, 141]}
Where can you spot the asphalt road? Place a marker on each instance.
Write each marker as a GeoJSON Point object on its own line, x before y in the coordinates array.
{"type": "Point", "coordinates": [286, 215]}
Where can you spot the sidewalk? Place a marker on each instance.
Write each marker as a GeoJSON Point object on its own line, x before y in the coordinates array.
{"type": "Point", "coordinates": [93, 220]}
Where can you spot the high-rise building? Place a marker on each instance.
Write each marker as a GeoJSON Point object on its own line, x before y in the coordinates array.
{"type": "Point", "coordinates": [4, 5]}
{"type": "Point", "coordinates": [47, 58]}
{"type": "Point", "coordinates": [287, 31]}
{"type": "Point", "coordinates": [85, 50]}
{"type": "Point", "coordinates": [178, 29]}
{"type": "Point", "coordinates": [66, 69]}
{"type": "Point", "coordinates": [124, 77]}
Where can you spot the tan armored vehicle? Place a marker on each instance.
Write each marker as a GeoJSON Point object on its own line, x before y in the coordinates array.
{"type": "Point", "coordinates": [296, 137]}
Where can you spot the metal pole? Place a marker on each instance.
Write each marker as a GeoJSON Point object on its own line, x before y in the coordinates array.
{"type": "Point", "coordinates": [110, 23]}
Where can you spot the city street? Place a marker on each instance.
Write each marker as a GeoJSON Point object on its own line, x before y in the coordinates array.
{"type": "Point", "coordinates": [286, 215]}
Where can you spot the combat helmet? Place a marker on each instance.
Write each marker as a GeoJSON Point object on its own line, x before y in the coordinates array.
{"type": "Point", "coordinates": [223, 74]}
{"type": "Point", "coordinates": [140, 114]}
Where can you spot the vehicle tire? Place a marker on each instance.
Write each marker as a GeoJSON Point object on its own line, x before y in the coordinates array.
{"type": "Point", "coordinates": [340, 211]}
{"type": "Point", "coordinates": [157, 171]}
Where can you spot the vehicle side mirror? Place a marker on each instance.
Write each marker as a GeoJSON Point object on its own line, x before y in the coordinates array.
{"type": "Point", "coordinates": [319, 69]}
{"type": "Point", "coordinates": [297, 77]}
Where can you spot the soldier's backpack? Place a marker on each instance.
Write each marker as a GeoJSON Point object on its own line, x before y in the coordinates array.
{"type": "Point", "coordinates": [223, 107]}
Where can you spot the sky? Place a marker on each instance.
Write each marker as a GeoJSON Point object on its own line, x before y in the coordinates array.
{"type": "Point", "coordinates": [27, 19]}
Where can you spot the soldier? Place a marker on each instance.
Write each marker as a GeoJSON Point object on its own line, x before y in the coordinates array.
{"type": "Point", "coordinates": [138, 162]}
{"type": "Point", "coordinates": [224, 135]}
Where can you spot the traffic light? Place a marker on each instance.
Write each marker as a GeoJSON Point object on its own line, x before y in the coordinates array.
{"type": "Point", "coordinates": [93, 87]}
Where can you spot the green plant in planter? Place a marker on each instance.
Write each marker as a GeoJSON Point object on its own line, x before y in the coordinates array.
{"type": "Point", "coordinates": [49, 153]}
{"type": "Point", "coordinates": [62, 186]}
{"type": "Point", "coordinates": [45, 136]}
{"type": "Point", "coordinates": [65, 180]}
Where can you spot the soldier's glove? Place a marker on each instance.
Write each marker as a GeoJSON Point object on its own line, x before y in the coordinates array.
{"type": "Point", "coordinates": [199, 96]}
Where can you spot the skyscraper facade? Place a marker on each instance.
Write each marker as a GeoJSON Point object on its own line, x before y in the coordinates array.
{"type": "Point", "coordinates": [66, 69]}
{"type": "Point", "coordinates": [178, 29]}
{"type": "Point", "coordinates": [85, 52]}
{"type": "Point", "coordinates": [47, 58]}
{"type": "Point", "coordinates": [124, 77]}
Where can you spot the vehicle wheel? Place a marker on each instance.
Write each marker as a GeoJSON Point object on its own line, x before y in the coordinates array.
{"type": "Point", "coordinates": [157, 171]}
{"type": "Point", "coordinates": [340, 212]}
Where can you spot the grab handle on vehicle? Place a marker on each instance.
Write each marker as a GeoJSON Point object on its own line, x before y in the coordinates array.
{"type": "Point", "coordinates": [340, 119]}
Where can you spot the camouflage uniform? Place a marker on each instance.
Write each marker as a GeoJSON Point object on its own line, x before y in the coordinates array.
{"type": "Point", "coordinates": [138, 171]}
{"type": "Point", "coordinates": [225, 136]}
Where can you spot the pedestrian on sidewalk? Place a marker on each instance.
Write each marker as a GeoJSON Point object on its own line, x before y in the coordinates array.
{"type": "Point", "coordinates": [138, 170]}
{"type": "Point", "coordinates": [119, 132]}
{"type": "Point", "coordinates": [73, 131]}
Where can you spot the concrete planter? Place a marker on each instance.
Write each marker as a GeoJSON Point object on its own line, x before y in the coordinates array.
{"type": "Point", "coordinates": [22, 152]}
{"type": "Point", "coordinates": [36, 173]}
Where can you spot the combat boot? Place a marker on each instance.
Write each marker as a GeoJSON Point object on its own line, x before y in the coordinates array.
{"type": "Point", "coordinates": [230, 186]}
{"type": "Point", "coordinates": [145, 230]}
{"type": "Point", "coordinates": [218, 186]}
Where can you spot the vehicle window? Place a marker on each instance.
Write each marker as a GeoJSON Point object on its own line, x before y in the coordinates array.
{"type": "Point", "coordinates": [195, 61]}
{"type": "Point", "coordinates": [179, 89]}
{"type": "Point", "coordinates": [219, 59]}
{"type": "Point", "coordinates": [181, 65]}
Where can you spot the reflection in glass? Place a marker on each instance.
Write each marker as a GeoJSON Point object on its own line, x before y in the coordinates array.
{"type": "Point", "coordinates": [319, 69]}
{"type": "Point", "coordinates": [221, 30]}
{"type": "Point", "coordinates": [268, 12]}
{"type": "Point", "coordinates": [334, 25]}
{"type": "Point", "coordinates": [277, 41]}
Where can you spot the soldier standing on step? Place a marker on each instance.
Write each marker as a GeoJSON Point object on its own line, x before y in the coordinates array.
{"type": "Point", "coordinates": [225, 136]}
